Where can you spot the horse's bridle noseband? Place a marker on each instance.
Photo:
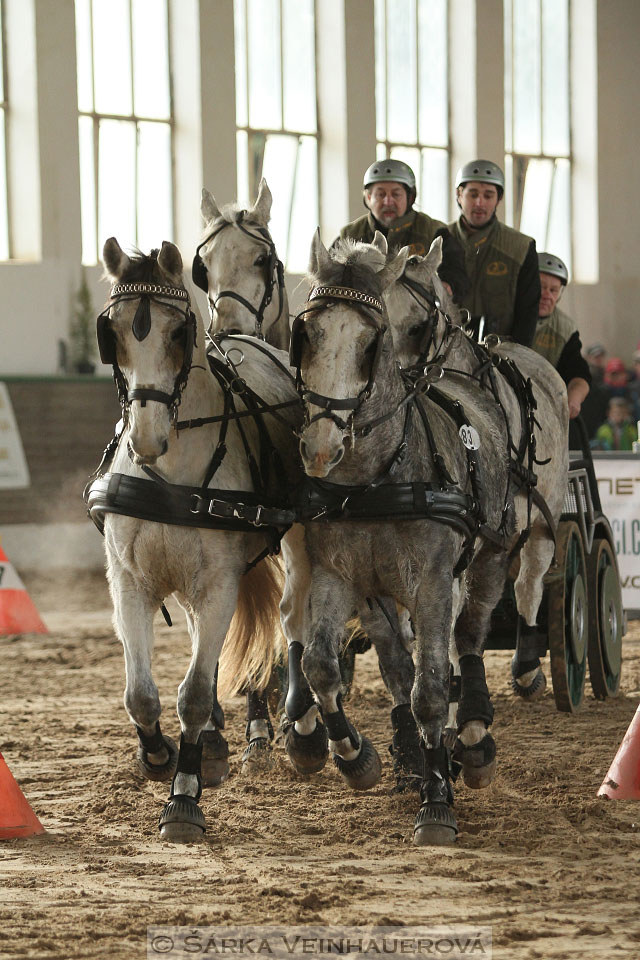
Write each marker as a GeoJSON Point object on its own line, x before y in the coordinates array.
{"type": "Point", "coordinates": [274, 274]}
{"type": "Point", "coordinates": [145, 292]}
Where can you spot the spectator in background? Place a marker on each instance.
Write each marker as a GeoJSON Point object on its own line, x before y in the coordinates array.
{"type": "Point", "coordinates": [634, 386]}
{"type": "Point", "coordinates": [616, 378]}
{"type": "Point", "coordinates": [619, 431]}
{"type": "Point", "coordinates": [596, 356]}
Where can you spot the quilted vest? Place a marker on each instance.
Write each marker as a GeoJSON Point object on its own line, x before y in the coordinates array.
{"type": "Point", "coordinates": [414, 230]}
{"type": "Point", "coordinates": [552, 333]}
{"type": "Point", "coordinates": [493, 258]}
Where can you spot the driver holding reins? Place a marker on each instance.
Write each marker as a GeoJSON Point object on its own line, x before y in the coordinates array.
{"type": "Point", "coordinates": [389, 192]}
{"type": "Point", "coordinates": [501, 262]}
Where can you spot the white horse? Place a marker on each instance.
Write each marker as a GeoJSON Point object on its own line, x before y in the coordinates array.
{"type": "Point", "coordinates": [163, 488]}
{"type": "Point", "coordinates": [236, 264]}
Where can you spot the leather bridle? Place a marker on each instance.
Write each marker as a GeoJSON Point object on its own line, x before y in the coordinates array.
{"type": "Point", "coordinates": [141, 325]}
{"type": "Point", "coordinates": [274, 273]}
{"type": "Point", "coordinates": [369, 307]}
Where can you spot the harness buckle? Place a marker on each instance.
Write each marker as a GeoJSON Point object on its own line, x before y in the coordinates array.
{"type": "Point", "coordinates": [258, 519]}
{"type": "Point", "coordinates": [197, 500]}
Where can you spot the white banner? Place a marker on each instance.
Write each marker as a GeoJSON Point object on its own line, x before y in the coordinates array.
{"type": "Point", "coordinates": [619, 487]}
{"type": "Point", "coordinates": [14, 472]}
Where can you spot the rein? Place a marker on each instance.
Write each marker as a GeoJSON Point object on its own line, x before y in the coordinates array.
{"type": "Point", "coordinates": [274, 274]}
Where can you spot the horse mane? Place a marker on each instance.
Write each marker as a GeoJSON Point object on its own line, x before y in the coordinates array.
{"type": "Point", "coordinates": [352, 264]}
{"type": "Point", "coordinates": [143, 268]}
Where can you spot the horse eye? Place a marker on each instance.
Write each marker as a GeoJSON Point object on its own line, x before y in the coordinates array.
{"type": "Point", "coordinates": [371, 348]}
{"type": "Point", "coordinates": [416, 330]}
{"type": "Point", "coordinates": [178, 333]}
{"type": "Point", "coordinates": [260, 261]}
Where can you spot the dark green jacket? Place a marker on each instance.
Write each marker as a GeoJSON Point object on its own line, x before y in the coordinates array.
{"type": "Point", "coordinates": [416, 231]}
{"type": "Point", "coordinates": [502, 265]}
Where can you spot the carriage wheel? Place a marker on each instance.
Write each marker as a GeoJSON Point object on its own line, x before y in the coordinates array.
{"type": "Point", "coordinates": [605, 620]}
{"type": "Point", "coordinates": [568, 619]}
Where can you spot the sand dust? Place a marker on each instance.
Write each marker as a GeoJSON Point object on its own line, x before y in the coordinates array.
{"type": "Point", "coordinates": [553, 870]}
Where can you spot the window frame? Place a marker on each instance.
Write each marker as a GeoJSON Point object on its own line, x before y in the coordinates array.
{"type": "Point", "coordinates": [517, 162]}
{"type": "Point", "coordinates": [386, 147]}
{"type": "Point", "coordinates": [134, 119]}
{"type": "Point", "coordinates": [251, 166]}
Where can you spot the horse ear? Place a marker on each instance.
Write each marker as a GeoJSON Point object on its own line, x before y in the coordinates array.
{"type": "Point", "coordinates": [319, 258]}
{"type": "Point", "coordinates": [380, 242]}
{"type": "Point", "coordinates": [115, 260]}
{"type": "Point", "coordinates": [208, 207]}
{"type": "Point", "coordinates": [170, 260]}
{"type": "Point", "coordinates": [262, 207]}
{"type": "Point", "coordinates": [433, 259]}
{"type": "Point", "coordinates": [394, 268]}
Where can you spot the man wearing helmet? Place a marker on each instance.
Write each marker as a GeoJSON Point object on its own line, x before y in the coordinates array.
{"type": "Point", "coordinates": [389, 194]}
{"type": "Point", "coordinates": [556, 337]}
{"type": "Point", "coordinates": [501, 262]}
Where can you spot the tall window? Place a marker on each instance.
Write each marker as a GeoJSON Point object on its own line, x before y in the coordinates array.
{"type": "Point", "coordinates": [412, 112]}
{"type": "Point", "coordinates": [538, 123]}
{"type": "Point", "coordinates": [4, 213]}
{"type": "Point", "coordinates": [125, 123]}
{"type": "Point", "coordinates": [277, 131]}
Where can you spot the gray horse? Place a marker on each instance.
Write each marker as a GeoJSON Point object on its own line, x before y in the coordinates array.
{"type": "Point", "coordinates": [444, 493]}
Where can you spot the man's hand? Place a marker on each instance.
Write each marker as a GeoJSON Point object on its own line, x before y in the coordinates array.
{"type": "Point", "coordinates": [577, 389]}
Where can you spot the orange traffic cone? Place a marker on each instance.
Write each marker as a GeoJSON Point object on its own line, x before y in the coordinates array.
{"type": "Point", "coordinates": [17, 610]}
{"type": "Point", "coordinates": [623, 780]}
{"type": "Point", "coordinates": [17, 819]}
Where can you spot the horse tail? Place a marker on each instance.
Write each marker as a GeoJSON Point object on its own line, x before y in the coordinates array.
{"type": "Point", "coordinates": [254, 642]}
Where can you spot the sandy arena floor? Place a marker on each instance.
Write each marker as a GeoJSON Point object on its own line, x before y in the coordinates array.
{"type": "Point", "coordinates": [553, 870]}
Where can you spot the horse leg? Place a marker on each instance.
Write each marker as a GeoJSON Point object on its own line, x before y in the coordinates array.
{"type": "Point", "coordinates": [305, 736]}
{"type": "Point", "coordinates": [435, 823]}
{"type": "Point", "coordinates": [257, 756]}
{"type": "Point", "coordinates": [215, 749]}
{"type": "Point", "coordinates": [527, 678]}
{"type": "Point", "coordinates": [182, 820]}
{"type": "Point", "coordinates": [133, 622]}
{"type": "Point", "coordinates": [354, 755]}
{"type": "Point", "coordinates": [475, 747]}
{"type": "Point", "coordinates": [380, 621]}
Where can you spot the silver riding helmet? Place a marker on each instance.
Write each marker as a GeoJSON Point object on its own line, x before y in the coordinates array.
{"type": "Point", "coordinates": [480, 171]}
{"type": "Point", "coordinates": [396, 170]}
{"type": "Point", "coordinates": [549, 263]}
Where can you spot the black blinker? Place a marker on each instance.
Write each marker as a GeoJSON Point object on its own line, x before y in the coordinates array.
{"type": "Point", "coordinates": [199, 273]}
{"type": "Point", "coordinates": [142, 320]}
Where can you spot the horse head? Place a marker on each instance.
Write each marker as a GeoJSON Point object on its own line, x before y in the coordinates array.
{"type": "Point", "coordinates": [148, 332]}
{"type": "Point", "coordinates": [237, 266]}
{"type": "Point", "coordinates": [421, 310]}
{"type": "Point", "coordinates": [338, 344]}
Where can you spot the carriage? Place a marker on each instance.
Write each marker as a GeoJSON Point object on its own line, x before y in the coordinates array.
{"type": "Point", "coordinates": [581, 620]}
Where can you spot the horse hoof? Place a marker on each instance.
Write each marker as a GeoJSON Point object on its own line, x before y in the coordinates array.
{"type": "Point", "coordinates": [435, 826]}
{"type": "Point", "coordinates": [308, 754]}
{"type": "Point", "coordinates": [535, 689]}
{"type": "Point", "coordinates": [182, 820]}
{"type": "Point", "coordinates": [215, 764]}
{"type": "Point", "coordinates": [365, 770]}
{"type": "Point", "coordinates": [478, 762]}
{"type": "Point", "coordinates": [257, 757]}
{"type": "Point", "coordinates": [158, 771]}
